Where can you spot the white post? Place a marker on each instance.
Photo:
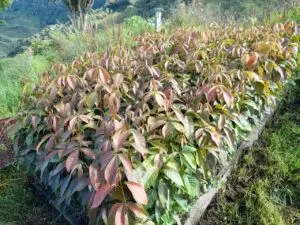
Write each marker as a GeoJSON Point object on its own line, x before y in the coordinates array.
{"type": "Point", "coordinates": [158, 16]}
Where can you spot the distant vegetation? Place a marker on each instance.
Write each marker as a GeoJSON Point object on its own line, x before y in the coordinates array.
{"type": "Point", "coordinates": [78, 10]}
{"type": "Point", "coordinates": [4, 4]}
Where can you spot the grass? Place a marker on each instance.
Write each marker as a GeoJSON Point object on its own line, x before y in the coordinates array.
{"type": "Point", "coordinates": [265, 189]}
{"type": "Point", "coordinates": [14, 72]}
{"type": "Point", "coordinates": [20, 206]}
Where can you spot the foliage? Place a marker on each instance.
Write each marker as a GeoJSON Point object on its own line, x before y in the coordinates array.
{"type": "Point", "coordinates": [264, 189]}
{"type": "Point", "coordinates": [137, 25]}
{"type": "Point", "coordinates": [123, 129]}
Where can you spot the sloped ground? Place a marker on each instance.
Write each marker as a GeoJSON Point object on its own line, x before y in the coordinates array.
{"type": "Point", "coordinates": [265, 189]}
{"type": "Point", "coordinates": [25, 18]}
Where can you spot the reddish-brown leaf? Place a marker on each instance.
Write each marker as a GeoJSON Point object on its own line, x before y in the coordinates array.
{"type": "Point", "coordinates": [227, 97]}
{"type": "Point", "coordinates": [72, 160]}
{"type": "Point", "coordinates": [44, 139]}
{"type": "Point", "coordinates": [252, 60]}
{"type": "Point", "coordinates": [88, 152]}
{"type": "Point", "coordinates": [106, 146]}
{"type": "Point", "coordinates": [100, 195]}
{"type": "Point", "coordinates": [138, 192]}
{"type": "Point", "coordinates": [139, 142]}
{"type": "Point", "coordinates": [72, 123]}
{"type": "Point", "coordinates": [53, 153]}
{"type": "Point", "coordinates": [211, 93]}
{"type": "Point", "coordinates": [127, 165]}
{"type": "Point", "coordinates": [137, 210]}
{"type": "Point", "coordinates": [95, 177]}
{"type": "Point", "coordinates": [121, 217]}
{"type": "Point", "coordinates": [118, 79]}
{"type": "Point", "coordinates": [216, 137]}
{"type": "Point", "coordinates": [114, 209]}
{"type": "Point", "coordinates": [104, 75]}
{"type": "Point", "coordinates": [119, 139]}
{"type": "Point", "coordinates": [71, 82]}
{"type": "Point", "coordinates": [105, 158]}
{"type": "Point", "coordinates": [54, 123]}
{"type": "Point", "coordinates": [114, 103]}
{"type": "Point", "coordinates": [111, 171]}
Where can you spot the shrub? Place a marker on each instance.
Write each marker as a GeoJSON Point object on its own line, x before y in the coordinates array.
{"type": "Point", "coordinates": [138, 25]}
{"type": "Point", "coordinates": [137, 134]}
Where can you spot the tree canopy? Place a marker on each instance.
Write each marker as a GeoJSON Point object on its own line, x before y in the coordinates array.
{"type": "Point", "coordinates": [4, 4]}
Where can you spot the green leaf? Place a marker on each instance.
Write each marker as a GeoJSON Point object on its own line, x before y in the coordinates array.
{"type": "Point", "coordinates": [91, 100]}
{"type": "Point", "coordinates": [163, 190]}
{"type": "Point", "coordinates": [150, 177]}
{"type": "Point", "coordinates": [139, 142]}
{"type": "Point", "coordinates": [250, 103]}
{"type": "Point", "coordinates": [259, 86]}
{"type": "Point", "coordinates": [183, 203]}
{"type": "Point", "coordinates": [174, 176]}
{"type": "Point", "coordinates": [190, 159]}
{"type": "Point", "coordinates": [190, 183]}
{"type": "Point", "coordinates": [189, 127]}
{"type": "Point", "coordinates": [179, 127]}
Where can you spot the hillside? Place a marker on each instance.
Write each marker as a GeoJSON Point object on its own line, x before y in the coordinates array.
{"type": "Point", "coordinates": [25, 18]}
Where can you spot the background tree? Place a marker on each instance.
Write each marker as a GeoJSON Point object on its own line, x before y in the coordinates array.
{"type": "Point", "coordinates": [4, 4]}
{"type": "Point", "coordinates": [143, 8]}
{"type": "Point", "coordinates": [78, 10]}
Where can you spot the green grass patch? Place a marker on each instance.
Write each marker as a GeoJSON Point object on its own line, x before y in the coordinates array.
{"type": "Point", "coordinates": [20, 206]}
{"type": "Point", "coordinates": [14, 73]}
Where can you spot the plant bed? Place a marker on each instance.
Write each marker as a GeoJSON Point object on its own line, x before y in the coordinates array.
{"type": "Point", "coordinates": [264, 187]}
{"type": "Point", "coordinates": [199, 208]}
{"type": "Point", "coordinates": [136, 136]}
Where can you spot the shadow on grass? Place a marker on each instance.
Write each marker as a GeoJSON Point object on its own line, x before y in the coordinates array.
{"type": "Point", "coordinates": [21, 206]}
